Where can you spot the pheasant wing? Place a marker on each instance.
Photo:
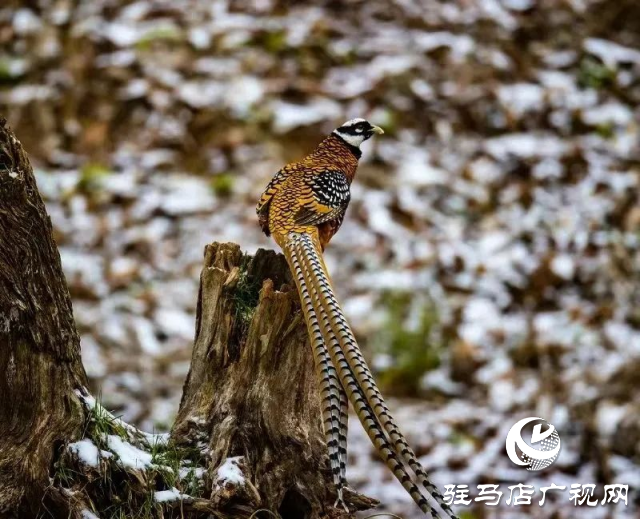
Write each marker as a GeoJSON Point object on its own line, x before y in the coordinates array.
{"type": "Point", "coordinates": [326, 198]}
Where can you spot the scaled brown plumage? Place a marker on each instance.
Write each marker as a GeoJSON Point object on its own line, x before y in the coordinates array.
{"type": "Point", "coordinates": [311, 195]}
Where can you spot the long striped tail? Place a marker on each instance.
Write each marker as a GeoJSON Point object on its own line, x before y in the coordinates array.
{"type": "Point", "coordinates": [342, 358]}
{"type": "Point", "coordinates": [333, 400]}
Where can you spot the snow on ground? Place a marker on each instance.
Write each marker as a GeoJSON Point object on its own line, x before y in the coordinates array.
{"type": "Point", "coordinates": [129, 455]}
{"type": "Point", "coordinates": [164, 496]}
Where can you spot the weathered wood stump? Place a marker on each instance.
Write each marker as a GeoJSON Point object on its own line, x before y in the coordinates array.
{"type": "Point", "coordinates": [252, 390]}
{"type": "Point", "coordinates": [39, 345]}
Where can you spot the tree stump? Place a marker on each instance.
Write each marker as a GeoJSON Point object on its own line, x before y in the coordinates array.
{"type": "Point", "coordinates": [39, 345]}
{"type": "Point", "coordinates": [252, 391]}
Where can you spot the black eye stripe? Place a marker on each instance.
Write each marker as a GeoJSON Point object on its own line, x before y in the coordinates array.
{"type": "Point", "coordinates": [353, 128]}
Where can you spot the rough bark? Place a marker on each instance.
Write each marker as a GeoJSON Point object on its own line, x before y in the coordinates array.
{"type": "Point", "coordinates": [39, 345]}
{"type": "Point", "coordinates": [252, 392]}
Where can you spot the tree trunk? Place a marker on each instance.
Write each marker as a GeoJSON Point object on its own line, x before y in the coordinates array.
{"type": "Point", "coordinates": [250, 411]}
{"type": "Point", "coordinates": [39, 345]}
{"type": "Point", "coordinates": [252, 389]}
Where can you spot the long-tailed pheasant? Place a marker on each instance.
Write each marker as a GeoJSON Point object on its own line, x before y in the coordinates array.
{"type": "Point", "coordinates": [302, 208]}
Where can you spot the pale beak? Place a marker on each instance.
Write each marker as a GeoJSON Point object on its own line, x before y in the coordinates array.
{"type": "Point", "coordinates": [377, 129]}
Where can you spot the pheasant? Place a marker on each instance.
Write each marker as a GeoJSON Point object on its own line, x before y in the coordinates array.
{"type": "Point", "coordinates": [302, 208]}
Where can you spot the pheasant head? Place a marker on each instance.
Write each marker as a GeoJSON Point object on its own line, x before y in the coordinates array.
{"type": "Point", "coordinates": [356, 131]}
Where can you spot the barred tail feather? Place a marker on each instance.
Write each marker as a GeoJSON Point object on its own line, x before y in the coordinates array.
{"type": "Point", "coordinates": [363, 409]}
{"type": "Point", "coordinates": [344, 429]}
{"type": "Point", "coordinates": [331, 390]}
{"type": "Point", "coordinates": [339, 330]}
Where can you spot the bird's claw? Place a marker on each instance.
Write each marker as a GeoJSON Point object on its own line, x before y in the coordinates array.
{"type": "Point", "coordinates": [340, 501]}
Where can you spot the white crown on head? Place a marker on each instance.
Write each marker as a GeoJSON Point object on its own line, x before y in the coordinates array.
{"type": "Point", "coordinates": [351, 122]}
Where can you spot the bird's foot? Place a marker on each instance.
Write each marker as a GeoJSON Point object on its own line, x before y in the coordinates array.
{"type": "Point", "coordinates": [340, 501]}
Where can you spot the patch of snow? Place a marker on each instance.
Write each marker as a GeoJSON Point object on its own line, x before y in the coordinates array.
{"type": "Point", "coordinates": [230, 472]}
{"type": "Point", "coordinates": [164, 496]}
{"type": "Point", "coordinates": [441, 382]}
{"type": "Point", "coordinates": [88, 514]}
{"type": "Point", "coordinates": [388, 66]}
{"type": "Point", "coordinates": [218, 68]}
{"type": "Point", "coordinates": [25, 94]}
{"type": "Point", "coordinates": [563, 266]}
{"type": "Point", "coordinates": [174, 321]}
{"type": "Point", "coordinates": [349, 82]}
{"type": "Point", "coordinates": [84, 269]}
{"type": "Point", "coordinates": [196, 472]}
{"type": "Point", "coordinates": [502, 394]}
{"type": "Point", "coordinates": [123, 266]}
{"type": "Point", "coordinates": [135, 12]}
{"type": "Point", "coordinates": [480, 317]}
{"type": "Point", "coordinates": [359, 307]}
{"type": "Point", "coordinates": [288, 116]}
{"type": "Point", "coordinates": [186, 195]}
{"type": "Point", "coordinates": [399, 280]}
{"type": "Point", "coordinates": [558, 328]}
{"type": "Point", "coordinates": [525, 146]}
{"type": "Point", "coordinates": [145, 335]}
{"type": "Point", "coordinates": [518, 5]}
{"type": "Point", "coordinates": [422, 89]}
{"type": "Point", "coordinates": [499, 365]}
{"type": "Point", "coordinates": [560, 59]}
{"type": "Point", "coordinates": [86, 397]}
{"type": "Point", "coordinates": [199, 37]}
{"type": "Point", "coordinates": [86, 451]}
{"type": "Point", "coordinates": [608, 416]}
{"type": "Point", "coordinates": [121, 34]}
{"type": "Point", "coordinates": [610, 52]}
{"type": "Point", "coordinates": [129, 455]}
{"type": "Point", "coordinates": [486, 171]}
{"type": "Point", "coordinates": [382, 362]}
{"type": "Point", "coordinates": [25, 21]}
{"type": "Point", "coordinates": [494, 11]}
{"type": "Point", "coordinates": [418, 170]}
{"type": "Point", "coordinates": [201, 94]}
{"type": "Point", "coordinates": [623, 336]}
{"type": "Point", "coordinates": [91, 403]}
{"type": "Point", "coordinates": [521, 97]}
{"type": "Point", "coordinates": [120, 58]}
{"type": "Point", "coordinates": [136, 88]}
{"type": "Point", "coordinates": [242, 94]}
{"type": "Point", "coordinates": [555, 80]}
{"type": "Point", "coordinates": [92, 356]}
{"type": "Point", "coordinates": [609, 113]}
{"type": "Point", "coordinates": [460, 45]}
{"type": "Point", "coordinates": [548, 168]}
